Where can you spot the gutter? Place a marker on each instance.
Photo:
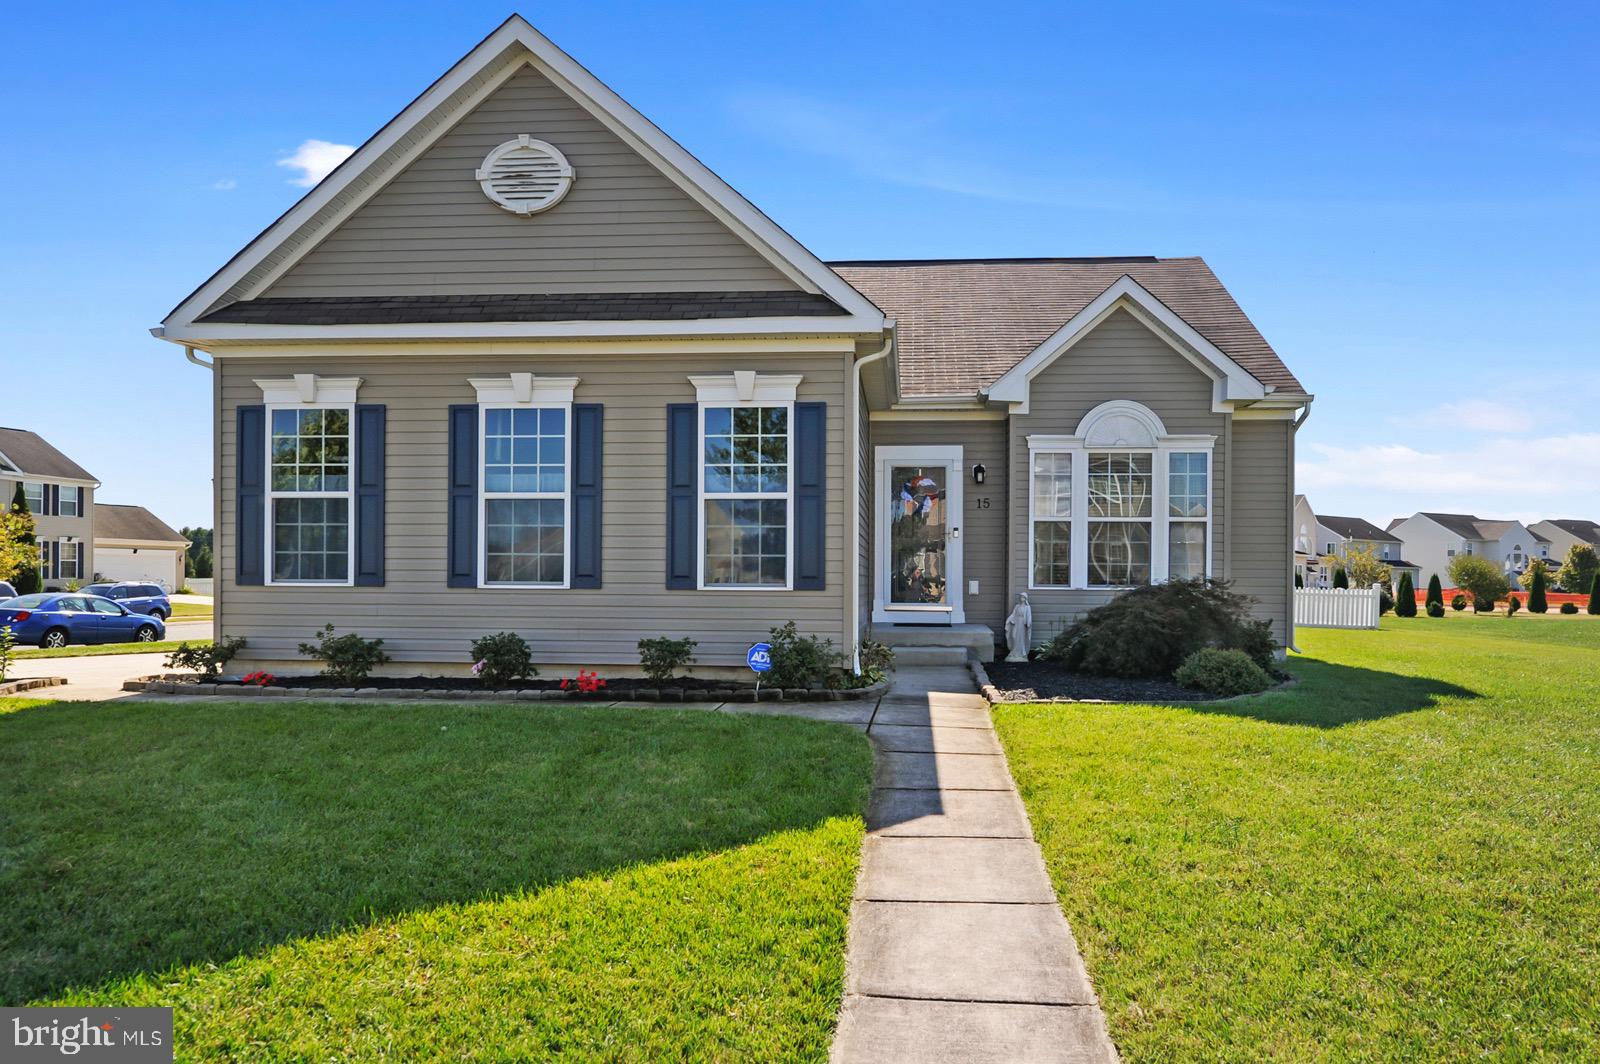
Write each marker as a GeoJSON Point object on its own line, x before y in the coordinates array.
{"type": "Point", "coordinates": [1294, 430]}
{"type": "Point", "coordinates": [854, 458]}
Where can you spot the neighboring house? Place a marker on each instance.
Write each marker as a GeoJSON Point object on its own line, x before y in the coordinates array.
{"type": "Point", "coordinates": [522, 362]}
{"type": "Point", "coordinates": [131, 543]}
{"type": "Point", "coordinates": [1564, 534]}
{"type": "Point", "coordinates": [60, 493]}
{"type": "Point", "coordinates": [1319, 536]}
{"type": "Point", "coordinates": [1432, 539]}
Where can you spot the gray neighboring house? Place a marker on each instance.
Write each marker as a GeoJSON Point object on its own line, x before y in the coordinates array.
{"type": "Point", "coordinates": [522, 362]}
{"type": "Point", "coordinates": [60, 493]}
{"type": "Point", "coordinates": [1319, 536]}
{"type": "Point", "coordinates": [1563, 534]}
{"type": "Point", "coordinates": [1433, 539]}
{"type": "Point", "coordinates": [131, 543]}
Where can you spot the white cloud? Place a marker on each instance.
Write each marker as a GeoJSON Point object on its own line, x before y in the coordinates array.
{"type": "Point", "coordinates": [1551, 476]}
{"type": "Point", "coordinates": [227, 184]}
{"type": "Point", "coordinates": [1479, 415]}
{"type": "Point", "coordinates": [315, 159]}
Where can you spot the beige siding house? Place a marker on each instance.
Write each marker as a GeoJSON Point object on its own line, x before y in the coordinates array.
{"type": "Point", "coordinates": [60, 495]}
{"type": "Point", "coordinates": [523, 363]}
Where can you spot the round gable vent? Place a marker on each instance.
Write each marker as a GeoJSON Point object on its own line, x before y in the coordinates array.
{"type": "Point", "coordinates": [526, 176]}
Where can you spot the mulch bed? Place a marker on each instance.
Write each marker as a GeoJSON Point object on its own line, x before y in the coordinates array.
{"type": "Point", "coordinates": [620, 687]}
{"type": "Point", "coordinates": [1022, 682]}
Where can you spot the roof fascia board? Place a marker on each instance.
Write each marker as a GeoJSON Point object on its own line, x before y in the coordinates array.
{"type": "Point", "coordinates": [53, 478]}
{"type": "Point", "coordinates": [692, 176]}
{"type": "Point", "coordinates": [1234, 383]}
{"type": "Point", "coordinates": [198, 335]}
{"type": "Point", "coordinates": [141, 544]}
{"type": "Point", "coordinates": [323, 347]}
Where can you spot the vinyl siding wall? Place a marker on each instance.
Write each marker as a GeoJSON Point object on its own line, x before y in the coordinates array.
{"type": "Point", "coordinates": [983, 532]}
{"type": "Point", "coordinates": [53, 529]}
{"type": "Point", "coordinates": [624, 227]}
{"type": "Point", "coordinates": [1122, 359]}
{"type": "Point", "coordinates": [421, 619]}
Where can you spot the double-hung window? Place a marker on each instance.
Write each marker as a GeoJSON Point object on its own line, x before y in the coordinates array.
{"type": "Point", "coordinates": [745, 490]}
{"type": "Point", "coordinates": [309, 493]}
{"type": "Point", "coordinates": [1120, 503]}
{"type": "Point", "coordinates": [33, 495]}
{"type": "Point", "coordinates": [67, 567]}
{"type": "Point", "coordinates": [526, 450]}
{"type": "Point", "coordinates": [68, 502]}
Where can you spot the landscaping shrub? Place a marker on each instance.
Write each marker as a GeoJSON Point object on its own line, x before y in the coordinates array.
{"type": "Point", "coordinates": [876, 660]}
{"type": "Point", "coordinates": [347, 658]}
{"type": "Point", "coordinates": [501, 658]}
{"type": "Point", "coordinates": [207, 660]}
{"type": "Point", "coordinates": [1299, 581]}
{"type": "Point", "coordinates": [1340, 578]}
{"type": "Point", "coordinates": [1385, 600]}
{"type": "Point", "coordinates": [1405, 603]}
{"type": "Point", "coordinates": [1149, 631]}
{"type": "Point", "coordinates": [1481, 578]}
{"type": "Point", "coordinates": [662, 657]}
{"type": "Point", "coordinates": [1435, 609]}
{"type": "Point", "coordinates": [1578, 573]}
{"type": "Point", "coordinates": [8, 644]}
{"type": "Point", "coordinates": [1435, 591]}
{"type": "Point", "coordinates": [798, 661]}
{"type": "Point", "coordinates": [1569, 608]}
{"type": "Point", "coordinates": [1482, 605]}
{"type": "Point", "coordinates": [1594, 596]}
{"type": "Point", "coordinates": [1537, 602]}
{"type": "Point", "coordinates": [1458, 603]}
{"type": "Point", "coordinates": [1512, 606]}
{"type": "Point", "coordinates": [1222, 672]}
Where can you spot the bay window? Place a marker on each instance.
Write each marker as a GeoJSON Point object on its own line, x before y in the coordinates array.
{"type": "Point", "coordinates": [1121, 503]}
{"type": "Point", "coordinates": [309, 492]}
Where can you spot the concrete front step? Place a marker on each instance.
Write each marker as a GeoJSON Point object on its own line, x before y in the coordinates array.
{"type": "Point", "coordinates": [919, 656]}
{"type": "Point", "coordinates": [977, 638]}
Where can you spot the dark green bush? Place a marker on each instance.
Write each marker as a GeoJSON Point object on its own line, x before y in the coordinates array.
{"type": "Point", "coordinates": [1537, 600]}
{"type": "Point", "coordinates": [501, 658]}
{"type": "Point", "coordinates": [1299, 581]}
{"type": "Point", "coordinates": [1459, 602]}
{"type": "Point", "coordinates": [347, 658]}
{"type": "Point", "coordinates": [1435, 609]}
{"type": "Point", "coordinates": [1569, 608]}
{"type": "Point", "coordinates": [1385, 600]}
{"type": "Point", "coordinates": [1512, 606]}
{"type": "Point", "coordinates": [1340, 577]}
{"type": "Point", "coordinates": [662, 657]}
{"type": "Point", "coordinates": [1405, 599]}
{"type": "Point", "coordinates": [798, 661]}
{"type": "Point", "coordinates": [1147, 633]}
{"type": "Point", "coordinates": [1594, 596]}
{"type": "Point", "coordinates": [207, 659]}
{"type": "Point", "coordinates": [1222, 672]}
{"type": "Point", "coordinates": [1435, 590]}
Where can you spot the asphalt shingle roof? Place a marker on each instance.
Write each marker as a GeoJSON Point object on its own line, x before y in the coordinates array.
{"type": "Point", "coordinates": [582, 306]}
{"type": "Point", "coordinates": [963, 323]}
{"type": "Point", "coordinates": [1588, 531]}
{"type": "Point", "coordinates": [32, 454]}
{"type": "Point", "coordinates": [117, 521]}
{"type": "Point", "coordinates": [1355, 528]}
{"type": "Point", "coordinates": [1468, 526]}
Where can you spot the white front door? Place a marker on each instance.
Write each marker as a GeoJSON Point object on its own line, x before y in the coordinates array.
{"type": "Point", "coordinates": [917, 504]}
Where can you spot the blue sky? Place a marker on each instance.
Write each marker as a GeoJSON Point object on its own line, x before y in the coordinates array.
{"type": "Point", "coordinates": [1405, 198]}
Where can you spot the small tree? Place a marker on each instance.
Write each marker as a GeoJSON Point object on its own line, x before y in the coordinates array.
{"type": "Point", "coordinates": [1481, 578]}
{"type": "Point", "coordinates": [1299, 581]}
{"type": "Point", "coordinates": [1339, 578]}
{"type": "Point", "coordinates": [19, 548]}
{"type": "Point", "coordinates": [1537, 603]}
{"type": "Point", "coordinates": [1435, 592]}
{"type": "Point", "coordinates": [1405, 603]}
{"type": "Point", "coordinates": [1594, 596]}
{"type": "Point", "coordinates": [1363, 568]}
{"type": "Point", "coordinates": [1578, 572]}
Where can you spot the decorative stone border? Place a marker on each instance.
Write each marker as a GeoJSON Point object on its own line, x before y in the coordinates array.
{"type": "Point", "coordinates": [167, 686]}
{"type": "Point", "coordinates": [30, 683]}
{"type": "Point", "coordinates": [997, 698]}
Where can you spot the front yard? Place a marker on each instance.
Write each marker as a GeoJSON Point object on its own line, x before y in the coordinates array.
{"type": "Point", "coordinates": [477, 882]}
{"type": "Point", "coordinates": [1396, 859]}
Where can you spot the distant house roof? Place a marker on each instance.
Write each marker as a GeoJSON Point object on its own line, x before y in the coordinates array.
{"type": "Point", "coordinates": [113, 521]}
{"type": "Point", "coordinates": [1588, 531]}
{"type": "Point", "coordinates": [28, 452]}
{"type": "Point", "coordinates": [584, 306]}
{"type": "Point", "coordinates": [1468, 526]}
{"type": "Point", "coordinates": [1355, 528]}
{"type": "Point", "coordinates": [962, 323]}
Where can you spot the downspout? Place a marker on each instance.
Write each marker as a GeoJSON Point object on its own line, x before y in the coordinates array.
{"type": "Point", "coordinates": [188, 353]}
{"type": "Point", "coordinates": [1294, 430]}
{"type": "Point", "coordinates": [855, 494]}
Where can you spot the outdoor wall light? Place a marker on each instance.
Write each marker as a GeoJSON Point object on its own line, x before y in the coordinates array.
{"type": "Point", "coordinates": [977, 473]}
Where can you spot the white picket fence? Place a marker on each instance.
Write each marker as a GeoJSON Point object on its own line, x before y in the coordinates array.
{"type": "Point", "coordinates": [1336, 607]}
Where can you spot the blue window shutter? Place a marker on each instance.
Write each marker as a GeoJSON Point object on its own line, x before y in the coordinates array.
{"type": "Point", "coordinates": [52, 499]}
{"type": "Point", "coordinates": [810, 495]}
{"type": "Point", "coordinates": [588, 420]}
{"type": "Point", "coordinates": [463, 569]}
{"type": "Point", "coordinates": [683, 525]}
{"type": "Point", "coordinates": [371, 419]}
{"type": "Point", "coordinates": [250, 496]}
{"type": "Point", "coordinates": [81, 511]}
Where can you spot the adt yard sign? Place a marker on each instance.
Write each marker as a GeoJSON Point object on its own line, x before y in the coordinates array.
{"type": "Point", "coordinates": [759, 657]}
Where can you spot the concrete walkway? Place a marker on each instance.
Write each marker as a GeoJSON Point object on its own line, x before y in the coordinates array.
{"type": "Point", "coordinates": [958, 950]}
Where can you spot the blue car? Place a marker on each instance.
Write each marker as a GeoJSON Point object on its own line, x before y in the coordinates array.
{"type": "Point", "coordinates": [57, 620]}
{"type": "Point", "coordinates": [139, 598]}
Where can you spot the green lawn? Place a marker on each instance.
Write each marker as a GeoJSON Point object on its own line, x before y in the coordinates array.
{"type": "Point", "coordinates": [1396, 859]}
{"type": "Point", "coordinates": [98, 649]}
{"type": "Point", "coordinates": [484, 882]}
{"type": "Point", "coordinates": [191, 611]}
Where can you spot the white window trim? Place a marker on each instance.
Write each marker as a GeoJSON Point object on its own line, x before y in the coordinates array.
{"type": "Point", "coordinates": [63, 542]}
{"type": "Point", "coordinates": [954, 610]}
{"type": "Point", "coordinates": [1160, 445]}
{"type": "Point", "coordinates": [308, 391]}
{"type": "Point", "coordinates": [44, 494]}
{"type": "Point", "coordinates": [349, 494]}
{"type": "Point", "coordinates": [524, 391]}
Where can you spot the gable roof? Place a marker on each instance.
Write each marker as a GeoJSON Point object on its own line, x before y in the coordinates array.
{"type": "Point", "coordinates": [962, 323]}
{"type": "Point", "coordinates": [1588, 531]}
{"type": "Point", "coordinates": [118, 521]}
{"type": "Point", "coordinates": [29, 453]}
{"type": "Point", "coordinates": [1469, 526]}
{"type": "Point", "coordinates": [1355, 528]}
{"type": "Point", "coordinates": [511, 47]}
{"type": "Point", "coordinates": [533, 306]}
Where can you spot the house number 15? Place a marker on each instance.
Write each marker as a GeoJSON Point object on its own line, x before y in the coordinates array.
{"type": "Point", "coordinates": [980, 504]}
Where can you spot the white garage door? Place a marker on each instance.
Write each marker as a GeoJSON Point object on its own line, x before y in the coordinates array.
{"type": "Point", "coordinates": [147, 564]}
